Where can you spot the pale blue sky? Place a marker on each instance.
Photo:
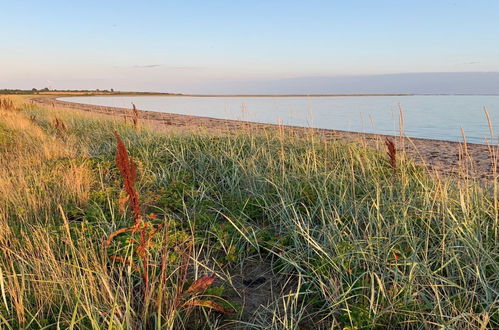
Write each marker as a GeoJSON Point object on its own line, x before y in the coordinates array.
{"type": "Point", "coordinates": [185, 45]}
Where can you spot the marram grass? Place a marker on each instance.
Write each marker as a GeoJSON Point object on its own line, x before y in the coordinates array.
{"type": "Point", "coordinates": [349, 241]}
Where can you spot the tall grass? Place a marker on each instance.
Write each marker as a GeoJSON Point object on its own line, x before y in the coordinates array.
{"type": "Point", "coordinates": [135, 116]}
{"type": "Point", "coordinates": [323, 230]}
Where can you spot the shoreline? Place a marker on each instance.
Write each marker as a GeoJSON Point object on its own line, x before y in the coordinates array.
{"type": "Point", "coordinates": [243, 95]}
{"type": "Point", "coordinates": [165, 94]}
{"type": "Point", "coordinates": [445, 157]}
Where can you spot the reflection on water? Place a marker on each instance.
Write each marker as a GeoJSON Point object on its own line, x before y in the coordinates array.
{"type": "Point", "coordinates": [435, 117]}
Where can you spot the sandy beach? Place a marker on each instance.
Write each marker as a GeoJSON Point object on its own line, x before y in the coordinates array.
{"type": "Point", "coordinates": [443, 157]}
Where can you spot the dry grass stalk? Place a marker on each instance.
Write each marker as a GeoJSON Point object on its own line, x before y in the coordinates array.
{"type": "Point", "coordinates": [125, 262]}
{"type": "Point", "coordinates": [465, 159]}
{"type": "Point", "coordinates": [122, 203]}
{"type": "Point", "coordinates": [135, 116]}
{"type": "Point", "coordinates": [392, 154]}
{"type": "Point", "coordinates": [60, 126]}
{"type": "Point", "coordinates": [7, 104]}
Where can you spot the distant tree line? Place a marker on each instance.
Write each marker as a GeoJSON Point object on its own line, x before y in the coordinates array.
{"type": "Point", "coordinates": [46, 89]}
{"type": "Point", "coordinates": [89, 91]}
{"type": "Point", "coordinates": [22, 91]}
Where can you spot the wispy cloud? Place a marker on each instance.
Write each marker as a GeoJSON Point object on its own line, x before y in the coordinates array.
{"type": "Point", "coordinates": [469, 63]}
{"type": "Point", "coordinates": [148, 66]}
{"type": "Point", "coordinates": [179, 68]}
{"type": "Point", "coordinates": [186, 68]}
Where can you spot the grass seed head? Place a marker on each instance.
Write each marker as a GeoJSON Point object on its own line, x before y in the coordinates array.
{"type": "Point", "coordinates": [128, 171]}
{"type": "Point", "coordinates": [135, 116]}
{"type": "Point", "coordinates": [392, 153]}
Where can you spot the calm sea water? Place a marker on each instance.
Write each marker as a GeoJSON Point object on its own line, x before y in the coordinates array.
{"type": "Point", "coordinates": [433, 117]}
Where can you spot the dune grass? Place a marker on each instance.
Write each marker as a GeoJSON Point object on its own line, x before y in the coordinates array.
{"type": "Point", "coordinates": [351, 238]}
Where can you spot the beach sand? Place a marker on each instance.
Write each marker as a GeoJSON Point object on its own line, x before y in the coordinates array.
{"type": "Point", "coordinates": [442, 157]}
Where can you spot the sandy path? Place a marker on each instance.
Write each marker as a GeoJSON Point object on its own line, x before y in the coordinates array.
{"type": "Point", "coordinates": [472, 160]}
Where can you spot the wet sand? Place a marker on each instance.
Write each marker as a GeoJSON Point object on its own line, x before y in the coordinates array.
{"type": "Point", "coordinates": [443, 157]}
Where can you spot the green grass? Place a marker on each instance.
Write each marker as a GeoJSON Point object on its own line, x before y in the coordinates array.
{"type": "Point", "coordinates": [348, 243]}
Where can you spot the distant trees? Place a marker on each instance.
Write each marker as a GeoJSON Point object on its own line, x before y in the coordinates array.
{"type": "Point", "coordinates": [18, 91]}
{"type": "Point", "coordinates": [79, 91]}
{"type": "Point", "coordinates": [23, 91]}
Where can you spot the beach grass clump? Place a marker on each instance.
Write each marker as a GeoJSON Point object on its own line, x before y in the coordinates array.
{"type": "Point", "coordinates": [258, 229]}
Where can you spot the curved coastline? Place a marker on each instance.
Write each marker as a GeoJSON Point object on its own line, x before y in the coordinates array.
{"type": "Point", "coordinates": [445, 157]}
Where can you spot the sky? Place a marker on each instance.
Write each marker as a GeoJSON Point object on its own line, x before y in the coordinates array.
{"type": "Point", "coordinates": [221, 46]}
